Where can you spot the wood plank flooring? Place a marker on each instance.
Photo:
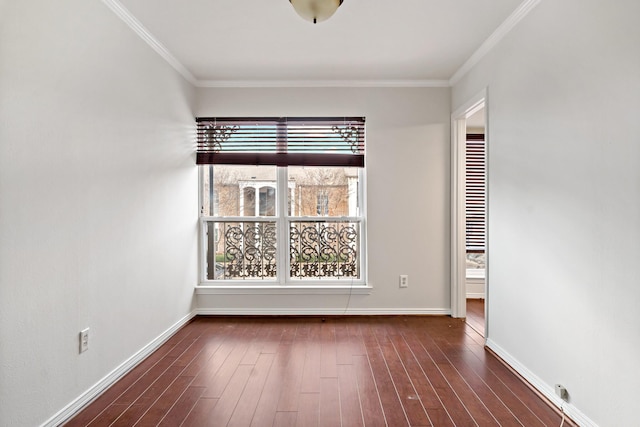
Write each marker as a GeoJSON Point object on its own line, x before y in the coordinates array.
{"type": "Point", "coordinates": [475, 315]}
{"type": "Point", "coordinates": [308, 371]}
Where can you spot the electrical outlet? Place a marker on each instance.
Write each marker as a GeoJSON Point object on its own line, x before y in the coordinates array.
{"type": "Point", "coordinates": [562, 392]}
{"type": "Point", "coordinates": [404, 281]}
{"type": "Point", "coordinates": [84, 340]}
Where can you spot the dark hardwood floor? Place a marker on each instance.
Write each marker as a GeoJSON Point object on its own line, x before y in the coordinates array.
{"type": "Point", "coordinates": [345, 371]}
{"type": "Point", "coordinates": [475, 315]}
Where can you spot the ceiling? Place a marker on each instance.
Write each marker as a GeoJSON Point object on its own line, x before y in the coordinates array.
{"type": "Point", "coordinates": [264, 42]}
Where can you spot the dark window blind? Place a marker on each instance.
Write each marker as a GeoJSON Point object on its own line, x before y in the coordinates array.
{"type": "Point", "coordinates": [475, 197]}
{"type": "Point", "coordinates": [281, 141]}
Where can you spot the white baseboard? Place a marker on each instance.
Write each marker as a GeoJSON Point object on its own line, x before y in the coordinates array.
{"type": "Point", "coordinates": [97, 389]}
{"type": "Point", "coordinates": [545, 389]}
{"type": "Point", "coordinates": [321, 311]}
{"type": "Point", "coordinates": [475, 295]}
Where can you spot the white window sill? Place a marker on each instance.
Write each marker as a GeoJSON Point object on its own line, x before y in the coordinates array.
{"type": "Point", "coordinates": [282, 290]}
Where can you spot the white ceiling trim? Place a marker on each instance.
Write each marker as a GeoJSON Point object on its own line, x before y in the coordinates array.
{"type": "Point", "coordinates": [145, 35]}
{"type": "Point", "coordinates": [319, 83]}
{"type": "Point", "coordinates": [494, 39]}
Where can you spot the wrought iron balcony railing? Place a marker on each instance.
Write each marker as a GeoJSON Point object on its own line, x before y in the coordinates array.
{"type": "Point", "coordinates": [241, 250]}
{"type": "Point", "coordinates": [324, 249]}
{"type": "Point", "coordinates": [248, 250]}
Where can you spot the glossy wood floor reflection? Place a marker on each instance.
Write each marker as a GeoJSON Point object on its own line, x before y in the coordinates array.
{"type": "Point", "coordinates": [345, 371]}
{"type": "Point", "coordinates": [475, 315]}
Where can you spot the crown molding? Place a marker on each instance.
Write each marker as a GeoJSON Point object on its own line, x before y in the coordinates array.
{"type": "Point", "coordinates": [504, 29]}
{"type": "Point", "coordinates": [320, 83]}
{"type": "Point", "coordinates": [145, 35]}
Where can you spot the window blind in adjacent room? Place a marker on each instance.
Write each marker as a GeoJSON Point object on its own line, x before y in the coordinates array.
{"type": "Point", "coordinates": [475, 196]}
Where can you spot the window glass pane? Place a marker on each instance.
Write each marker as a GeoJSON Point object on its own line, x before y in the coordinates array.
{"type": "Point", "coordinates": [324, 191]}
{"type": "Point", "coordinates": [325, 249]}
{"type": "Point", "coordinates": [318, 248]}
{"type": "Point", "coordinates": [314, 137]}
{"type": "Point", "coordinates": [241, 250]}
{"type": "Point", "coordinates": [239, 190]}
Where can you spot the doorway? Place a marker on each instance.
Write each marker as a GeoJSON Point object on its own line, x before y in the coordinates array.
{"type": "Point", "coordinates": [475, 218]}
{"type": "Point", "coordinates": [469, 284]}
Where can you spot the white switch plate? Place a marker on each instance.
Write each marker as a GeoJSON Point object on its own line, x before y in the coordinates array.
{"type": "Point", "coordinates": [84, 340]}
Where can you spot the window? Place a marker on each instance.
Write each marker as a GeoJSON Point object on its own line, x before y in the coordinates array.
{"type": "Point", "coordinates": [267, 201]}
{"type": "Point", "coordinates": [281, 201]}
{"type": "Point", "coordinates": [475, 201]}
{"type": "Point", "coordinates": [322, 205]}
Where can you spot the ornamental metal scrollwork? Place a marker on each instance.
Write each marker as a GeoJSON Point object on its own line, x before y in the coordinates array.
{"type": "Point", "coordinates": [249, 250]}
{"type": "Point", "coordinates": [324, 250]}
{"type": "Point", "coordinates": [216, 135]}
{"type": "Point", "coordinates": [349, 134]}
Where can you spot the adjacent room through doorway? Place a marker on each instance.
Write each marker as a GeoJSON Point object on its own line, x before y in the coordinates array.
{"type": "Point", "coordinates": [475, 220]}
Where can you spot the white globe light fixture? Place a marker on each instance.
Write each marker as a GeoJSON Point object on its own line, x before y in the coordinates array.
{"type": "Point", "coordinates": [315, 10]}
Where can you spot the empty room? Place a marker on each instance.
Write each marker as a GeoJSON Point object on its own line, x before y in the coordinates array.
{"type": "Point", "coordinates": [259, 213]}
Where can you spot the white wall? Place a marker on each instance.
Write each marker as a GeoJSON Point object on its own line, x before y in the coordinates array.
{"type": "Point", "coordinates": [407, 160]}
{"type": "Point", "coordinates": [98, 201]}
{"type": "Point", "coordinates": [564, 201]}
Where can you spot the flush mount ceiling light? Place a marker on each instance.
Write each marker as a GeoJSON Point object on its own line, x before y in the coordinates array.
{"type": "Point", "coordinates": [315, 10]}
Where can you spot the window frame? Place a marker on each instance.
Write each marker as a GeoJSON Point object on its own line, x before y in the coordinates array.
{"type": "Point", "coordinates": [283, 279]}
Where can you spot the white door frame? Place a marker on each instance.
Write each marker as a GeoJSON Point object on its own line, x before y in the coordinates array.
{"type": "Point", "coordinates": [458, 220]}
